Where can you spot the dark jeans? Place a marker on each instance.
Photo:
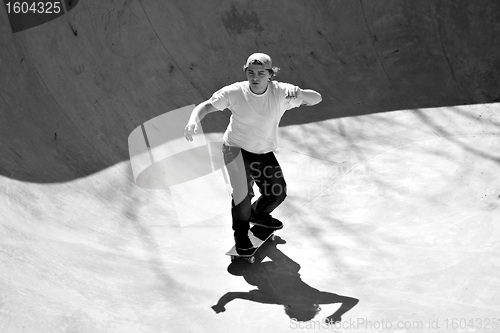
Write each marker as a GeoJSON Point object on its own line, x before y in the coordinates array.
{"type": "Point", "coordinates": [245, 168]}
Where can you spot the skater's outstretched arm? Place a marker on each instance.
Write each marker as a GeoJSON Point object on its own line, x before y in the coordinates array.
{"type": "Point", "coordinates": [253, 295]}
{"type": "Point", "coordinates": [347, 304]}
{"type": "Point", "coordinates": [198, 113]}
{"type": "Point", "coordinates": [308, 96]}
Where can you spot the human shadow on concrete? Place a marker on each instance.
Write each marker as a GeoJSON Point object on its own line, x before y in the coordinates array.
{"type": "Point", "coordinates": [278, 282]}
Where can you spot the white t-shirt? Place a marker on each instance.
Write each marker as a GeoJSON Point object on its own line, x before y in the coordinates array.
{"type": "Point", "coordinates": [255, 118]}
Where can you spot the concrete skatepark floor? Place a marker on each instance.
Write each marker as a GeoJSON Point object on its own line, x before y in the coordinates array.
{"type": "Point", "coordinates": [393, 189]}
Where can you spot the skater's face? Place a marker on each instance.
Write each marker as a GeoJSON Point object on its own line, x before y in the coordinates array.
{"type": "Point", "coordinates": [258, 78]}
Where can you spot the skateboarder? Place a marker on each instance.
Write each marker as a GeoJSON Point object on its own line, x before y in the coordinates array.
{"type": "Point", "coordinates": [251, 140]}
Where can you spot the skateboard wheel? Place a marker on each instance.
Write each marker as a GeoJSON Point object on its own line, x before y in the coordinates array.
{"type": "Point", "coordinates": [273, 237]}
{"type": "Point", "coordinates": [251, 260]}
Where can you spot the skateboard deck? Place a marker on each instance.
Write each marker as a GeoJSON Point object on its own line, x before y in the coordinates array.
{"type": "Point", "coordinates": [258, 235]}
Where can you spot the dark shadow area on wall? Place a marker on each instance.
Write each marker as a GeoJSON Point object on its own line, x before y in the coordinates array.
{"type": "Point", "coordinates": [74, 88]}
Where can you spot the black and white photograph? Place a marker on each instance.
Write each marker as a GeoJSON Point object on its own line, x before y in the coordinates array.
{"type": "Point", "coordinates": [178, 166]}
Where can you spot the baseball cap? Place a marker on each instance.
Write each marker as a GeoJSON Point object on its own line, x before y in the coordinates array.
{"type": "Point", "coordinates": [259, 57]}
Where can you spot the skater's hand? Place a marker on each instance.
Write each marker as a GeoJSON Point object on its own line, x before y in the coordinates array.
{"type": "Point", "coordinates": [331, 320]}
{"type": "Point", "coordinates": [218, 308]}
{"type": "Point", "coordinates": [292, 92]}
{"type": "Point", "coordinates": [191, 128]}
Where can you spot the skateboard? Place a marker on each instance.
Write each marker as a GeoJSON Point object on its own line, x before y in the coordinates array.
{"type": "Point", "coordinates": [258, 235]}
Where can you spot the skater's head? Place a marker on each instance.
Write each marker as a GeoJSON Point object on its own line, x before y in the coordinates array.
{"type": "Point", "coordinates": [259, 71]}
{"type": "Point", "coordinates": [302, 312]}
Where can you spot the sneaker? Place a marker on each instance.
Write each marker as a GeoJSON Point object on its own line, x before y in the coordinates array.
{"type": "Point", "coordinates": [243, 244]}
{"type": "Point", "coordinates": [267, 222]}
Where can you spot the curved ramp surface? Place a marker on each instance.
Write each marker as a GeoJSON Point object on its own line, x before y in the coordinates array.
{"type": "Point", "coordinates": [393, 187]}
{"type": "Point", "coordinates": [74, 88]}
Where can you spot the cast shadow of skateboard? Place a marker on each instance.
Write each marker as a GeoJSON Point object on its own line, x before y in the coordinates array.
{"type": "Point", "coordinates": [278, 282]}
